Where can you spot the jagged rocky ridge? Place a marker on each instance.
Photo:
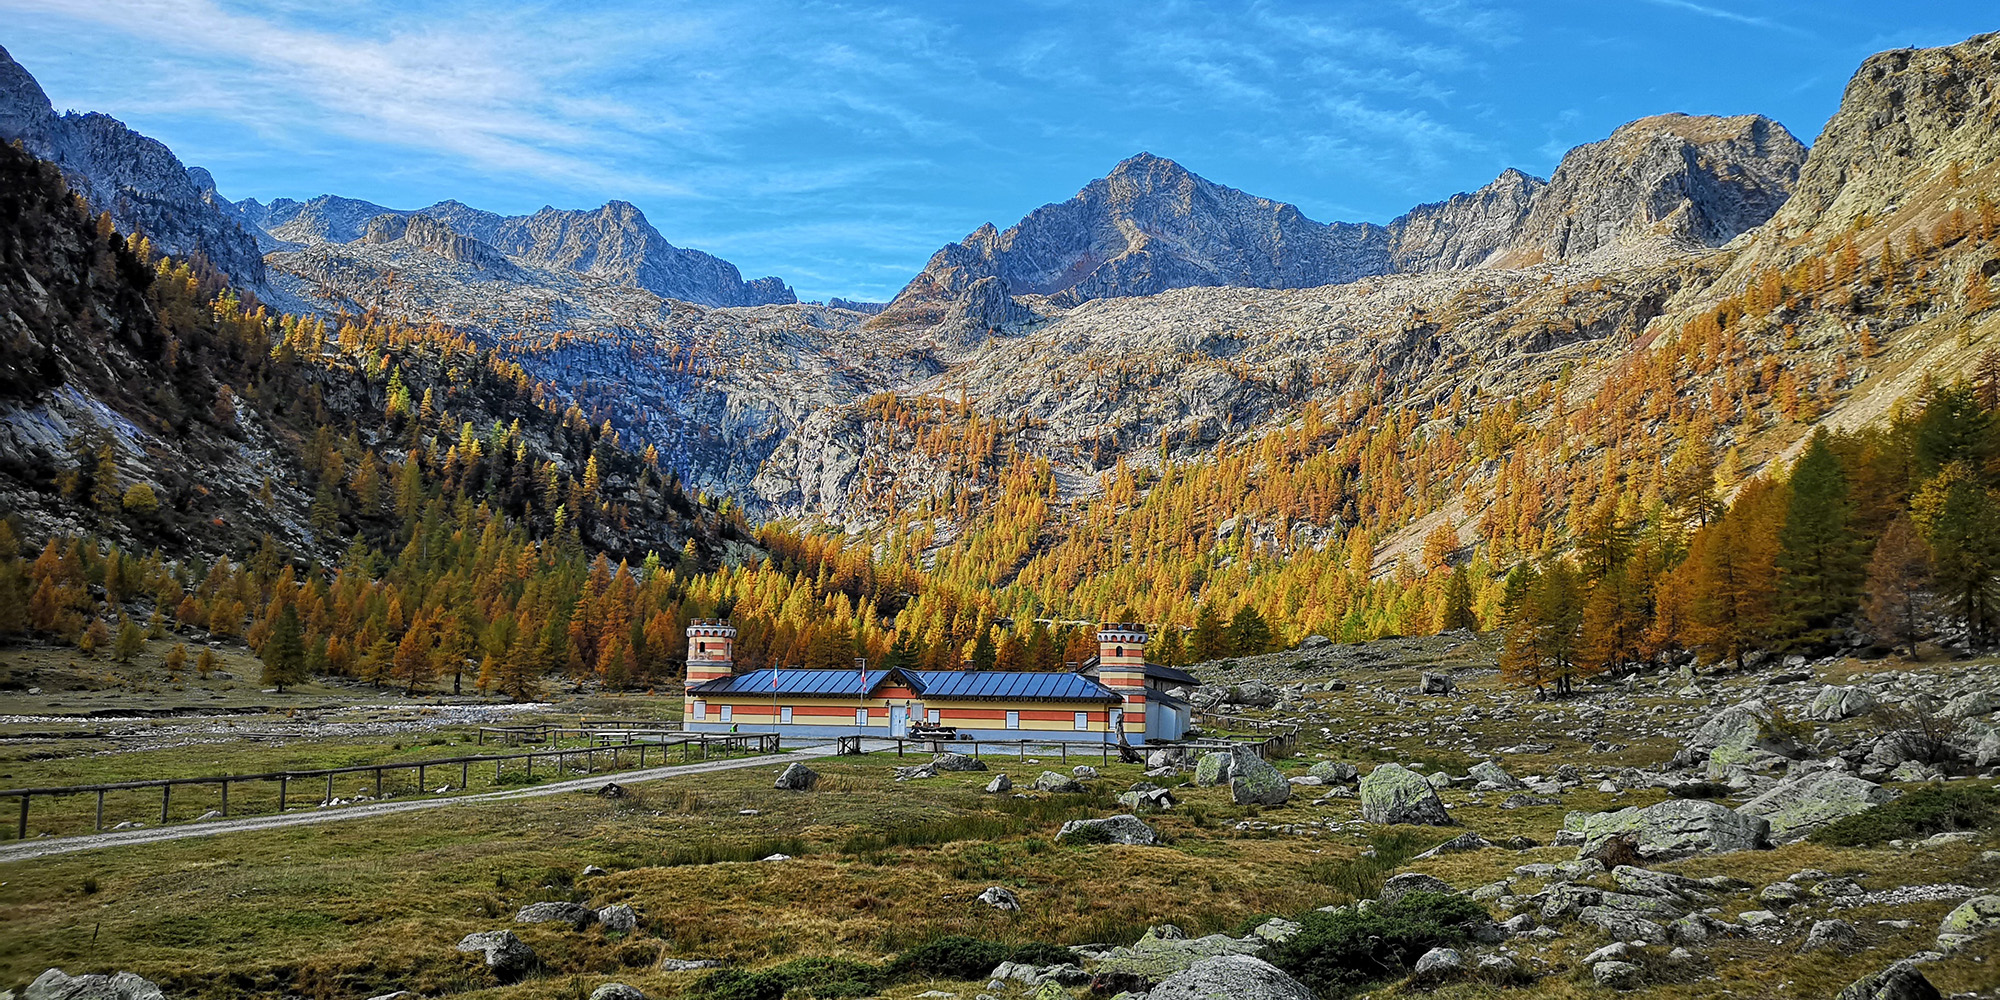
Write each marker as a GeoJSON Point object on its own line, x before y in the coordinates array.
{"type": "Point", "coordinates": [1498, 289]}
{"type": "Point", "coordinates": [136, 179]}
{"type": "Point", "coordinates": [613, 244]}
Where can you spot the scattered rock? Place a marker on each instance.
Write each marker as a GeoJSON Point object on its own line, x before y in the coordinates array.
{"type": "Point", "coordinates": [1836, 935]}
{"type": "Point", "coordinates": [1460, 844]}
{"type": "Point", "coordinates": [1253, 781]}
{"type": "Point", "coordinates": [1435, 683]}
{"type": "Point", "coordinates": [612, 790]}
{"type": "Point", "coordinates": [55, 985]}
{"type": "Point", "coordinates": [1802, 805]}
{"type": "Point", "coordinates": [1234, 977]}
{"type": "Point", "coordinates": [1489, 776]}
{"type": "Point", "coordinates": [1001, 898]}
{"type": "Point", "coordinates": [1055, 782]}
{"type": "Point", "coordinates": [1124, 828]}
{"type": "Point", "coordinates": [949, 761]}
{"type": "Point", "coordinates": [1214, 768]}
{"type": "Point", "coordinates": [1618, 975]}
{"type": "Point", "coordinates": [1083, 772]}
{"type": "Point", "coordinates": [1000, 783]}
{"type": "Point", "coordinates": [574, 914]}
{"type": "Point", "coordinates": [1833, 704]}
{"type": "Point", "coordinates": [507, 956]}
{"type": "Point", "coordinates": [1438, 964]}
{"type": "Point", "coordinates": [1334, 772]}
{"type": "Point", "coordinates": [796, 777]}
{"type": "Point", "coordinates": [616, 991]}
{"type": "Point", "coordinates": [617, 919]}
{"type": "Point", "coordinates": [592, 871]}
{"type": "Point", "coordinates": [1675, 828]}
{"type": "Point", "coordinates": [687, 964]}
{"type": "Point", "coordinates": [1395, 794]}
{"type": "Point", "coordinates": [1901, 981]}
{"type": "Point", "coordinates": [1975, 918]}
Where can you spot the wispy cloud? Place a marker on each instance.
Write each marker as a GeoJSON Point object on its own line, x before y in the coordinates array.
{"type": "Point", "coordinates": [1723, 14]}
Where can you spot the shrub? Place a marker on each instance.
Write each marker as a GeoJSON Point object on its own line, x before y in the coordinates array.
{"type": "Point", "coordinates": [1920, 732]}
{"type": "Point", "coordinates": [1337, 951]}
{"type": "Point", "coordinates": [803, 977]}
{"type": "Point", "coordinates": [1919, 813]}
{"type": "Point", "coordinates": [958, 956]}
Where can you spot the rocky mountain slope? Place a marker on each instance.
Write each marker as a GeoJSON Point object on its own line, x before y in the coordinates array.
{"type": "Point", "coordinates": [613, 244]}
{"type": "Point", "coordinates": [136, 179]}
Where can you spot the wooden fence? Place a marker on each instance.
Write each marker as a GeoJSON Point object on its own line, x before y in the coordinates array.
{"type": "Point", "coordinates": [1283, 741]}
{"type": "Point", "coordinates": [730, 743]}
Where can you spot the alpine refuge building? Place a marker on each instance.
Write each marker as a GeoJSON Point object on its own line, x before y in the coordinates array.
{"type": "Point", "coordinates": [1115, 693]}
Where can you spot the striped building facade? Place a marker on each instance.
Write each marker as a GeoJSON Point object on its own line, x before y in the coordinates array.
{"type": "Point", "coordinates": [1089, 706]}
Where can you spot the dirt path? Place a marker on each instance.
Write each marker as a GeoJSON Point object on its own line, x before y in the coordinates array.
{"type": "Point", "coordinates": [26, 850]}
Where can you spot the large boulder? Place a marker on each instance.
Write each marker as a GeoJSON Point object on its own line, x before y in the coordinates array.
{"type": "Point", "coordinates": [1901, 981]}
{"type": "Point", "coordinates": [1492, 777]}
{"type": "Point", "coordinates": [1254, 694]}
{"type": "Point", "coordinates": [797, 777]}
{"type": "Point", "coordinates": [1334, 772]}
{"type": "Point", "coordinates": [1001, 898]}
{"type": "Point", "coordinates": [507, 956]}
{"type": "Point", "coordinates": [1393, 793]}
{"type": "Point", "coordinates": [1056, 781]}
{"type": "Point", "coordinates": [1738, 735]}
{"type": "Point", "coordinates": [1214, 768]}
{"type": "Point", "coordinates": [575, 914]}
{"type": "Point", "coordinates": [1975, 918]}
{"type": "Point", "coordinates": [1231, 977]}
{"type": "Point", "coordinates": [1123, 828]}
{"type": "Point", "coordinates": [949, 761]}
{"type": "Point", "coordinates": [1971, 706]}
{"type": "Point", "coordinates": [616, 991]}
{"type": "Point", "coordinates": [1672, 829]}
{"type": "Point", "coordinates": [1833, 704]}
{"type": "Point", "coordinates": [1000, 783]}
{"type": "Point", "coordinates": [1254, 781]}
{"type": "Point", "coordinates": [619, 918]}
{"type": "Point", "coordinates": [1435, 683]}
{"type": "Point", "coordinates": [55, 985]}
{"type": "Point", "coordinates": [1802, 805]}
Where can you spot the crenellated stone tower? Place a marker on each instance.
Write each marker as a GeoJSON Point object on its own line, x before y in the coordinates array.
{"type": "Point", "coordinates": [711, 654]}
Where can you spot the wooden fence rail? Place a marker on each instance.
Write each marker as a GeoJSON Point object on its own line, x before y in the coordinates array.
{"type": "Point", "coordinates": [662, 741]}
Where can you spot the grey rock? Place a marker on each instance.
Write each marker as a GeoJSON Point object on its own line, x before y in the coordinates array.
{"type": "Point", "coordinates": [1431, 683]}
{"type": "Point", "coordinates": [957, 762]}
{"type": "Point", "coordinates": [687, 964]}
{"type": "Point", "coordinates": [1214, 768]}
{"type": "Point", "coordinates": [1973, 919]}
{"type": "Point", "coordinates": [1901, 981]}
{"type": "Point", "coordinates": [1056, 782]}
{"type": "Point", "coordinates": [1460, 844]}
{"type": "Point", "coordinates": [1001, 898]}
{"type": "Point", "coordinates": [1083, 772]}
{"type": "Point", "coordinates": [1623, 924]}
{"type": "Point", "coordinates": [1437, 964]}
{"type": "Point", "coordinates": [1334, 772]}
{"type": "Point", "coordinates": [1277, 930]}
{"type": "Point", "coordinates": [616, 991]}
{"type": "Point", "coordinates": [618, 918]}
{"type": "Point", "coordinates": [1394, 794]}
{"type": "Point", "coordinates": [574, 914]}
{"type": "Point", "coordinates": [1675, 828]}
{"type": "Point", "coordinates": [1000, 783]}
{"type": "Point", "coordinates": [1797, 807]}
{"type": "Point", "coordinates": [55, 985]}
{"type": "Point", "coordinates": [1489, 775]}
{"type": "Point", "coordinates": [1833, 704]}
{"type": "Point", "coordinates": [1618, 975]}
{"type": "Point", "coordinates": [1253, 781]}
{"type": "Point", "coordinates": [1124, 828]}
{"type": "Point", "coordinates": [1230, 977]}
{"type": "Point", "coordinates": [1831, 935]}
{"type": "Point", "coordinates": [507, 956]}
{"type": "Point", "coordinates": [797, 777]}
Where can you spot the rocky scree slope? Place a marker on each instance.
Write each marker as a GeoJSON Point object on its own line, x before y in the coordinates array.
{"type": "Point", "coordinates": [136, 179]}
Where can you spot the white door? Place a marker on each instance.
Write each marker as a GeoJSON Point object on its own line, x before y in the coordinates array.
{"type": "Point", "coordinates": [899, 720]}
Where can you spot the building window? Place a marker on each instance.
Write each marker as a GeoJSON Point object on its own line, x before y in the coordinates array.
{"type": "Point", "coordinates": [860, 716]}
{"type": "Point", "coordinates": [727, 711]}
{"type": "Point", "coordinates": [932, 717]}
{"type": "Point", "coordinates": [1013, 720]}
{"type": "Point", "coordinates": [785, 716]}
{"type": "Point", "coordinates": [700, 710]}
{"type": "Point", "coordinates": [1082, 721]}
{"type": "Point", "coordinates": [1117, 651]}
{"type": "Point", "coordinates": [701, 647]}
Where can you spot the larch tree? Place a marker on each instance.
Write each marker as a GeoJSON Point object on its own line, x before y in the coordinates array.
{"type": "Point", "coordinates": [1898, 578]}
{"type": "Point", "coordinates": [1819, 560]}
{"type": "Point", "coordinates": [284, 652]}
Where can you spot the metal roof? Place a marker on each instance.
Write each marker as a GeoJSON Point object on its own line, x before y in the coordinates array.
{"type": "Point", "coordinates": [827, 683]}
{"type": "Point", "coordinates": [1013, 685]}
{"type": "Point", "coordinates": [969, 685]}
{"type": "Point", "coordinates": [1172, 675]}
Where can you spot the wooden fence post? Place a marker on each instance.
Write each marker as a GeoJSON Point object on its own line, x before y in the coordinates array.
{"type": "Point", "coordinates": [284, 785]}
{"type": "Point", "coordinates": [329, 790]}
{"type": "Point", "coordinates": [100, 809]}
{"type": "Point", "coordinates": [166, 791]}
{"type": "Point", "coordinates": [24, 818]}
{"type": "Point", "coordinates": [225, 798]}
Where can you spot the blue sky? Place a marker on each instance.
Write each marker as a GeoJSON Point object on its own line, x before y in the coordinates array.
{"type": "Point", "coordinates": [839, 145]}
